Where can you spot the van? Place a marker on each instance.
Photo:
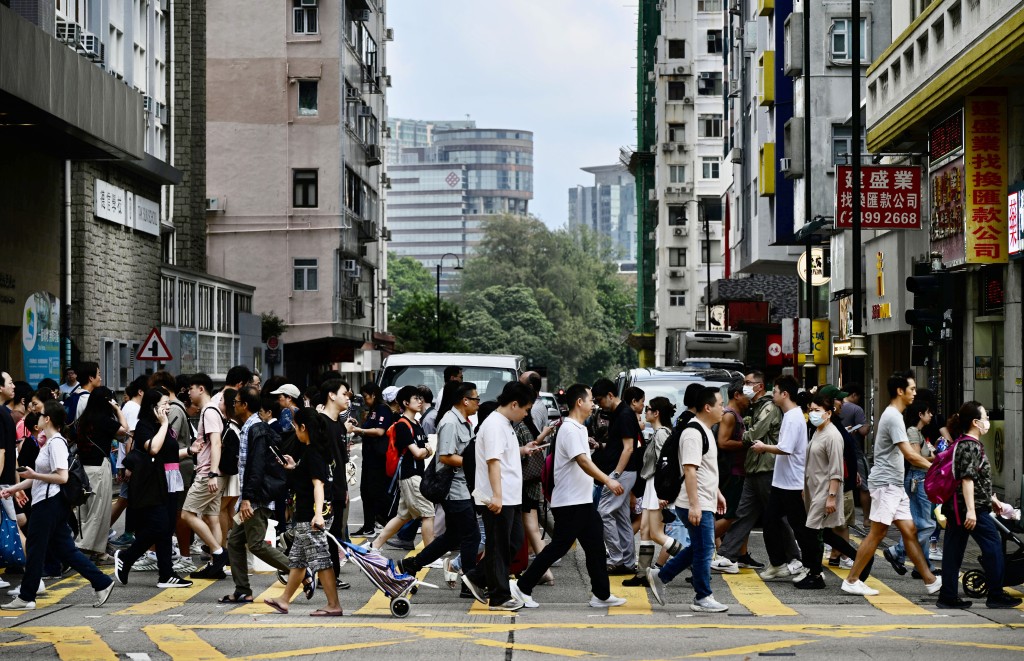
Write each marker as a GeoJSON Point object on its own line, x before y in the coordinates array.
{"type": "Point", "coordinates": [490, 373]}
{"type": "Point", "coordinates": [672, 382]}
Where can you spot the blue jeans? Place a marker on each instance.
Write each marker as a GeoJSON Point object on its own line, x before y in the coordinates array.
{"type": "Point", "coordinates": [921, 510]}
{"type": "Point", "coordinates": [697, 555]}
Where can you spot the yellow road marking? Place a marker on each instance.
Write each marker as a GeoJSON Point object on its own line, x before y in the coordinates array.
{"type": "Point", "coordinates": [73, 643]}
{"type": "Point", "coordinates": [540, 649]}
{"type": "Point", "coordinates": [755, 595]}
{"type": "Point", "coordinates": [887, 600]}
{"type": "Point", "coordinates": [962, 643]}
{"type": "Point", "coordinates": [378, 603]}
{"type": "Point", "coordinates": [257, 607]}
{"type": "Point", "coordinates": [167, 599]}
{"type": "Point", "coordinates": [182, 644]}
{"type": "Point", "coordinates": [752, 649]}
{"type": "Point", "coordinates": [1015, 593]}
{"type": "Point", "coordinates": [637, 601]}
{"type": "Point", "coordinates": [525, 625]}
{"type": "Point", "coordinates": [310, 651]}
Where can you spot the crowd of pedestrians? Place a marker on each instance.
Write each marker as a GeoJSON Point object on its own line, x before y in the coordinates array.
{"type": "Point", "coordinates": [193, 470]}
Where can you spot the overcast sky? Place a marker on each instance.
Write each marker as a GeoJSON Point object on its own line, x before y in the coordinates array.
{"type": "Point", "coordinates": [564, 69]}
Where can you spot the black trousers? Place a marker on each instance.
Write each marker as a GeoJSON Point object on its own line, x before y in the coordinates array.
{"type": "Point", "coordinates": [460, 532]}
{"type": "Point", "coordinates": [373, 486]}
{"type": "Point", "coordinates": [152, 528]}
{"type": "Point", "coordinates": [573, 523]}
{"type": "Point", "coordinates": [504, 536]}
{"type": "Point", "coordinates": [789, 504]}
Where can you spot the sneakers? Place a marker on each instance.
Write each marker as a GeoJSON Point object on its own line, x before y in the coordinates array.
{"type": "Point", "coordinates": [708, 605]}
{"type": "Point", "coordinates": [775, 573]}
{"type": "Point", "coordinates": [846, 563]}
{"type": "Point", "coordinates": [14, 592]}
{"type": "Point", "coordinates": [610, 602]}
{"type": "Point", "coordinates": [725, 565]}
{"type": "Point", "coordinates": [174, 581]}
{"type": "Point", "coordinates": [478, 594]}
{"type": "Point", "coordinates": [897, 566]}
{"type": "Point", "coordinates": [103, 595]}
{"type": "Point", "coordinates": [1002, 600]}
{"type": "Point", "coordinates": [19, 605]}
{"type": "Point", "coordinates": [747, 562]}
{"type": "Point", "coordinates": [621, 570]}
{"type": "Point", "coordinates": [934, 587]}
{"type": "Point", "coordinates": [657, 587]}
{"type": "Point", "coordinates": [957, 603]}
{"type": "Point", "coordinates": [935, 554]}
{"type": "Point", "coordinates": [528, 601]}
{"type": "Point", "coordinates": [794, 567]}
{"type": "Point", "coordinates": [120, 571]}
{"type": "Point", "coordinates": [124, 541]}
{"type": "Point", "coordinates": [811, 583]}
{"type": "Point", "coordinates": [511, 605]}
{"type": "Point", "coordinates": [145, 563]}
{"type": "Point", "coordinates": [638, 581]}
{"type": "Point", "coordinates": [451, 578]}
{"type": "Point", "coordinates": [3, 583]}
{"type": "Point", "coordinates": [800, 575]}
{"type": "Point", "coordinates": [210, 571]}
{"type": "Point", "coordinates": [184, 566]}
{"type": "Point", "coordinates": [858, 588]}
{"type": "Point", "coordinates": [400, 544]}
{"type": "Point", "coordinates": [917, 575]}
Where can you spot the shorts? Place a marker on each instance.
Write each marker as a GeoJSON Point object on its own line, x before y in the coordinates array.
{"type": "Point", "coordinates": [650, 500]}
{"type": "Point", "coordinates": [123, 491]}
{"type": "Point", "coordinates": [310, 548]}
{"type": "Point", "coordinates": [890, 503]}
{"type": "Point", "coordinates": [529, 504]}
{"type": "Point", "coordinates": [848, 509]}
{"type": "Point", "coordinates": [199, 499]}
{"type": "Point", "coordinates": [229, 487]}
{"type": "Point", "coordinates": [411, 503]}
{"type": "Point", "coordinates": [732, 489]}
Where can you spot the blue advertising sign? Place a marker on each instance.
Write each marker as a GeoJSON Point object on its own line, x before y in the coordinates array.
{"type": "Point", "coordinates": [40, 337]}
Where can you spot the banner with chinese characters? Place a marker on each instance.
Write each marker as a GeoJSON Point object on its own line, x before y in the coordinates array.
{"type": "Point", "coordinates": [946, 229]}
{"type": "Point", "coordinates": [890, 197]}
{"type": "Point", "coordinates": [1015, 214]}
{"type": "Point", "coordinates": [987, 180]}
{"type": "Point", "coordinates": [40, 337]}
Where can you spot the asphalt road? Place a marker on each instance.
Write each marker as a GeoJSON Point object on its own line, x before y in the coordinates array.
{"type": "Point", "coordinates": [764, 620]}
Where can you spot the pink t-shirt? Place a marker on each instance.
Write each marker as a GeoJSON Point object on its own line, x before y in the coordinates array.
{"type": "Point", "coordinates": [210, 422]}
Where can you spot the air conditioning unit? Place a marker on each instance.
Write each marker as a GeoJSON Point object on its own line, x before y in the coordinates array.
{"type": "Point", "coordinates": [352, 93]}
{"type": "Point", "coordinates": [385, 181]}
{"type": "Point", "coordinates": [682, 146]}
{"type": "Point", "coordinates": [706, 75]}
{"type": "Point", "coordinates": [735, 7]}
{"type": "Point", "coordinates": [69, 33]}
{"type": "Point", "coordinates": [686, 188]}
{"type": "Point", "coordinates": [148, 103]}
{"type": "Point", "coordinates": [651, 76]}
{"type": "Point", "coordinates": [373, 155]}
{"type": "Point", "coordinates": [389, 34]}
{"type": "Point", "coordinates": [666, 146]}
{"type": "Point", "coordinates": [348, 265]}
{"type": "Point", "coordinates": [785, 165]}
{"type": "Point", "coordinates": [92, 47]}
{"type": "Point", "coordinates": [683, 70]}
{"type": "Point", "coordinates": [680, 231]}
{"type": "Point", "coordinates": [307, 3]}
{"type": "Point", "coordinates": [652, 195]}
{"type": "Point", "coordinates": [161, 113]}
{"type": "Point", "coordinates": [675, 273]}
{"type": "Point", "coordinates": [365, 111]}
{"type": "Point", "coordinates": [364, 15]}
{"type": "Point", "coordinates": [736, 155]}
{"type": "Point", "coordinates": [216, 204]}
{"type": "Point", "coordinates": [670, 190]}
{"type": "Point", "coordinates": [688, 100]}
{"type": "Point", "coordinates": [356, 272]}
{"type": "Point", "coordinates": [386, 234]}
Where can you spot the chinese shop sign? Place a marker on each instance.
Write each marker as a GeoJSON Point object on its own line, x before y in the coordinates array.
{"type": "Point", "coordinates": [986, 180]}
{"type": "Point", "coordinates": [890, 197]}
{"type": "Point", "coordinates": [947, 221]}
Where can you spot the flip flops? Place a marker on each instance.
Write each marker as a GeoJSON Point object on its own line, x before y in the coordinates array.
{"type": "Point", "coordinates": [235, 598]}
{"type": "Point", "coordinates": [276, 606]}
{"type": "Point", "coordinates": [320, 612]}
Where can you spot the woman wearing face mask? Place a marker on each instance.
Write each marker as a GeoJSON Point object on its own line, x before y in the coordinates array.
{"type": "Point", "coordinates": [823, 490]}
{"type": "Point", "coordinates": [967, 512]}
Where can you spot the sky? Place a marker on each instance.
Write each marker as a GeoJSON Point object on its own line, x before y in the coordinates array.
{"type": "Point", "coordinates": [564, 69]}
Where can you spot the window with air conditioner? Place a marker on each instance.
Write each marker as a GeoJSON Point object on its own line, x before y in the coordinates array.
{"type": "Point", "coordinates": [677, 174]}
{"type": "Point", "coordinates": [676, 49]}
{"type": "Point", "coordinates": [716, 44]}
{"type": "Point", "coordinates": [305, 17]}
{"type": "Point", "coordinates": [308, 98]}
{"type": "Point", "coordinates": [677, 256]}
{"type": "Point", "coordinates": [841, 41]}
{"type": "Point", "coordinates": [676, 298]}
{"type": "Point", "coordinates": [304, 188]}
{"type": "Point", "coordinates": [710, 83]}
{"type": "Point", "coordinates": [709, 126]}
{"type": "Point", "coordinates": [677, 214]}
{"type": "Point", "coordinates": [711, 167]}
{"type": "Point", "coordinates": [305, 275]}
{"type": "Point", "coordinates": [676, 90]}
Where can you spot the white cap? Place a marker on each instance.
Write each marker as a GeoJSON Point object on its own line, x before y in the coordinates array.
{"type": "Point", "coordinates": [390, 393]}
{"type": "Point", "coordinates": [288, 389]}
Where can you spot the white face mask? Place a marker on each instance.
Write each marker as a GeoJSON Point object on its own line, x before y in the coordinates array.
{"type": "Point", "coordinates": [748, 391]}
{"type": "Point", "coordinates": [817, 418]}
{"type": "Point", "coordinates": [984, 426]}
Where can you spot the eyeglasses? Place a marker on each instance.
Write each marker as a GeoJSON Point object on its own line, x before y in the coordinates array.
{"type": "Point", "coordinates": [472, 399]}
{"type": "Point", "coordinates": [648, 409]}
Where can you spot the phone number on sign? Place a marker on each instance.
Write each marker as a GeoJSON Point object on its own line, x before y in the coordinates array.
{"type": "Point", "coordinates": [881, 218]}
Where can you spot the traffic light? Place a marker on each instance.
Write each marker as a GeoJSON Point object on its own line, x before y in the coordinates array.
{"type": "Point", "coordinates": [932, 316]}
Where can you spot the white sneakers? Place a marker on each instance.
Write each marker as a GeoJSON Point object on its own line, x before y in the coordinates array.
{"type": "Point", "coordinates": [611, 601]}
{"type": "Point", "coordinates": [776, 573]}
{"type": "Point", "coordinates": [858, 588]}
{"type": "Point", "coordinates": [725, 565]}
{"type": "Point", "coordinates": [528, 601]}
{"type": "Point", "coordinates": [657, 587]}
{"type": "Point", "coordinates": [14, 592]}
{"type": "Point", "coordinates": [19, 605]}
{"type": "Point", "coordinates": [934, 587]}
{"type": "Point", "coordinates": [795, 567]}
{"type": "Point", "coordinates": [846, 563]}
{"type": "Point", "coordinates": [708, 605]}
{"type": "Point", "coordinates": [800, 575]}
{"type": "Point", "coordinates": [3, 583]}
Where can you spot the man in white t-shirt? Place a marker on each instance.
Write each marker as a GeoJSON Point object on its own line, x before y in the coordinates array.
{"type": "Point", "coordinates": [696, 505]}
{"type": "Point", "coordinates": [785, 500]}
{"type": "Point", "coordinates": [499, 488]}
{"type": "Point", "coordinates": [572, 504]}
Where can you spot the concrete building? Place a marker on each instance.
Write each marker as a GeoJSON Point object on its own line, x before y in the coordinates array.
{"type": "Point", "coordinates": [608, 208]}
{"type": "Point", "coordinates": [442, 194]}
{"type": "Point", "coordinates": [946, 96]}
{"type": "Point", "coordinates": [92, 212]}
{"type": "Point", "coordinates": [295, 125]}
{"type": "Point", "coordinates": [412, 133]}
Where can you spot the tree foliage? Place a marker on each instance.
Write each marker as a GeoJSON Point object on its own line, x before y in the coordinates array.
{"type": "Point", "coordinates": [407, 279]}
{"type": "Point", "coordinates": [415, 327]}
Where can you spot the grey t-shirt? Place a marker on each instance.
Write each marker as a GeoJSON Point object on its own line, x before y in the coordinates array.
{"type": "Point", "coordinates": [888, 467]}
{"type": "Point", "coordinates": [453, 435]}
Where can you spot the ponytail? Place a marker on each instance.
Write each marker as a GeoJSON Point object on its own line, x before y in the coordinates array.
{"type": "Point", "coordinates": [960, 422]}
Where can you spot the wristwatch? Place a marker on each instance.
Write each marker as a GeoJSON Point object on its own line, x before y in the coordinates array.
{"type": "Point", "coordinates": [615, 475]}
{"type": "Point", "coordinates": [213, 475]}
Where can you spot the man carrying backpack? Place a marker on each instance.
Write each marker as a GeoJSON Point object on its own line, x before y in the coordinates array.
{"type": "Point", "coordinates": [696, 505]}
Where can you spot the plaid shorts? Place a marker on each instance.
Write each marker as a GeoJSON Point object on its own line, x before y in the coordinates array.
{"type": "Point", "coordinates": [310, 549]}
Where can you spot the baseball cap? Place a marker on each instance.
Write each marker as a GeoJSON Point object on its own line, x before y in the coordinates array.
{"type": "Point", "coordinates": [288, 389]}
{"type": "Point", "coordinates": [390, 393]}
{"type": "Point", "coordinates": [830, 390]}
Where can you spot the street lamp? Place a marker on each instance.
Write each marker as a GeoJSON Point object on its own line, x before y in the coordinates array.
{"type": "Point", "coordinates": [458, 267]}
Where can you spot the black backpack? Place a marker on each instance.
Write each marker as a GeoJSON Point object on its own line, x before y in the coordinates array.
{"type": "Point", "coordinates": [230, 446]}
{"type": "Point", "coordinates": [275, 481]}
{"type": "Point", "coordinates": [668, 478]}
{"type": "Point", "coordinates": [77, 489]}
{"type": "Point", "coordinates": [469, 464]}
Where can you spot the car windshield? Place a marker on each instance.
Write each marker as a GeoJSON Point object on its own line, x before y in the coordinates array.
{"type": "Point", "coordinates": [489, 380]}
{"type": "Point", "coordinates": [672, 389]}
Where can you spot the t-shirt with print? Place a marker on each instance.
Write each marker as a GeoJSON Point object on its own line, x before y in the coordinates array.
{"type": "Point", "coordinates": [210, 422]}
{"type": "Point", "coordinates": [404, 437]}
{"type": "Point", "coordinates": [572, 485]}
{"type": "Point", "coordinates": [375, 447]}
{"type": "Point", "coordinates": [453, 435]}
{"type": "Point", "coordinates": [789, 468]}
{"type": "Point", "coordinates": [691, 445]}
{"type": "Point", "coordinates": [312, 465]}
{"type": "Point", "coordinates": [496, 440]}
{"type": "Point", "coordinates": [888, 467]}
{"type": "Point", "coordinates": [625, 425]}
{"type": "Point", "coordinates": [52, 457]}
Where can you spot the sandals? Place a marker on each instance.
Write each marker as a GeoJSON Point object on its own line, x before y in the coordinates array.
{"type": "Point", "coordinates": [276, 606]}
{"type": "Point", "coordinates": [321, 612]}
{"type": "Point", "coordinates": [235, 598]}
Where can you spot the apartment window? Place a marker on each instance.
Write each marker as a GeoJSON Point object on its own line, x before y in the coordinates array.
{"type": "Point", "coordinates": [225, 312]}
{"type": "Point", "coordinates": [304, 271]}
{"type": "Point", "coordinates": [304, 188]}
{"type": "Point", "coordinates": [710, 167]}
{"type": "Point", "coordinates": [710, 83]}
{"type": "Point", "coordinates": [842, 144]}
{"type": "Point", "coordinates": [168, 287]}
{"type": "Point", "coordinates": [677, 174]}
{"type": "Point", "coordinates": [709, 5]}
{"type": "Point", "coordinates": [186, 304]}
{"type": "Point", "coordinates": [709, 126]}
{"type": "Point", "coordinates": [677, 132]}
{"type": "Point", "coordinates": [304, 13]}
{"type": "Point", "coordinates": [716, 252]}
{"type": "Point", "coordinates": [676, 298]}
{"type": "Point", "coordinates": [676, 49]}
{"type": "Point", "coordinates": [677, 256]}
{"type": "Point", "coordinates": [676, 90]}
{"type": "Point", "coordinates": [840, 43]}
{"type": "Point", "coordinates": [205, 308]}
{"type": "Point", "coordinates": [308, 98]}
{"type": "Point", "coordinates": [711, 208]}
{"type": "Point", "coordinates": [715, 43]}
{"type": "Point", "coordinates": [677, 214]}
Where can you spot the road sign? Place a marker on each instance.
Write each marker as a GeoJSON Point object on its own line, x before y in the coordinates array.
{"type": "Point", "coordinates": [154, 348]}
{"type": "Point", "coordinates": [272, 342]}
{"type": "Point", "coordinates": [272, 356]}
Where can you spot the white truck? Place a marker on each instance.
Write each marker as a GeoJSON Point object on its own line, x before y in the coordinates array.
{"type": "Point", "coordinates": [710, 349]}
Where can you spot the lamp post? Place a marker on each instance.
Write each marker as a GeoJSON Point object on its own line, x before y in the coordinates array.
{"type": "Point", "coordinates": [440, 263]}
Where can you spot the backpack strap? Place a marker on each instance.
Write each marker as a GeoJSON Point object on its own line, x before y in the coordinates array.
{"type": "Point", "coordinates": [693, 424]}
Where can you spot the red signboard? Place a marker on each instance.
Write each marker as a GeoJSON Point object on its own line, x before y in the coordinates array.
{"type": "Point", "coordinates": [947, 137]}
{"type": "Point", "coordinates": [890, 197]}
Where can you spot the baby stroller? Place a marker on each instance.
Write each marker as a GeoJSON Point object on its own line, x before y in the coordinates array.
{"type": "Point", "coordinates": [384, 575]}
{"type": "Point", "coordinates": [974, 581]}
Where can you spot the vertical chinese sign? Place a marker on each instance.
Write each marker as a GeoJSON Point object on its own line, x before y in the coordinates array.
{"type": "Point", "coordinates": [986, 179]}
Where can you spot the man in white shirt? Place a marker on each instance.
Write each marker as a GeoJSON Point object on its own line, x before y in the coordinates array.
{"type": "Point", "coordinates": [572, 504]}
{"type": "Point", "coordinates": [499, 488]}
{"type": "Point", "coordinates": [785, 500]}
{"type": "Point", "coordinates": [696, 505]}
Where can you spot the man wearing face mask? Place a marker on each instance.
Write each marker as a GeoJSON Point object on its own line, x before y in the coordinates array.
{"type": "Point", "coordinates": [762, 425]}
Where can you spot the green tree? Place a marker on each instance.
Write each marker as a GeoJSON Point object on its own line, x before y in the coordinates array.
{"type": "Point", "coordinates": [407, 278]}
{"type": "Point", "coordinates": [415, 327]}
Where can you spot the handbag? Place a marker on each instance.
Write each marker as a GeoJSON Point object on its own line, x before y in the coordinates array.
{"type": "Point", "coordinates": [11, 553]}
{"type": "Point", "coordinates": [436, 482]}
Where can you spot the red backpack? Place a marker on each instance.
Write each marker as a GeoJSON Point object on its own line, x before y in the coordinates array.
{"type": "Point", "coordinates": [939, 482]}
{"type": "Point", "coordinates": [394, 456]}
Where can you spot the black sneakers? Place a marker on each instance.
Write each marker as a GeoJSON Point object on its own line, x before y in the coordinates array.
{"type": "Point", "coordinates": [958, 603]}
{"type": "Point", "coordinates": [897, 566]}
{"type": "Point", "coordinates": [174, 581]}
{"type": "Point", "coordinates": [745, 561]}
{"type": "Point", "coordinates": [811, 583]}
{"type": "Point", "coordinates": [1002, 600]}
{"type": "Point", "coordinates": [120, 570]}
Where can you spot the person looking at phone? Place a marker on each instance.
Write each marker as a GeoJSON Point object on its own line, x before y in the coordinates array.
{"type": "Point", "coordinates": [201, 509]}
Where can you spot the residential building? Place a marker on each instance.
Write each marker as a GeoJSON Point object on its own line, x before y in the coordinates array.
{"type": "Point", "coordinates": [442, 194]}
{"type": "Point", "coordinates": [296, 112]}
{"type": "Point", "coordinates": [96, 197]}
{"type": "Point", "coordinates": [608, 208]}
